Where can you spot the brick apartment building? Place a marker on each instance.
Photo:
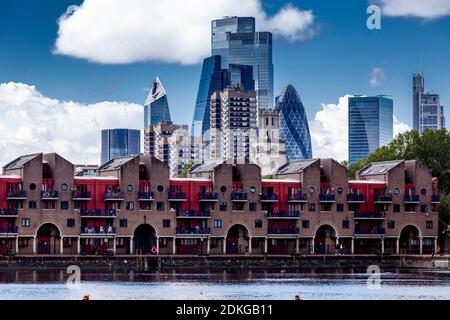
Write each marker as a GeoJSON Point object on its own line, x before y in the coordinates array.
{"type": "Point", "coordinates": [132, 207]}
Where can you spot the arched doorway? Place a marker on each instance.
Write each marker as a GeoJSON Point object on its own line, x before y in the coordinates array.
{"type": "Point", "coordinates": [48, 239]}
{"type": "Point", "coordinates": [325, 240]}
{"type": "Point", "coordinates": [237, 240]}
{"type": "Point", "coordinates": [410, 240]}
{"type": "Point", "coordinates": [144, 239]}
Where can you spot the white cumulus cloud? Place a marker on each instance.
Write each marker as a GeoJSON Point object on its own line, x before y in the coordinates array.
{"type": "Point", "coordinates": [376, 76]}
{"type": "Point", "coordinates": [170, 31]}
{"type": "Point", "coordinates": [329, 130]}
{"type": "Point", "coordinates": [426, 9]}
{"type": "Point", "coordinates": [31, 122]}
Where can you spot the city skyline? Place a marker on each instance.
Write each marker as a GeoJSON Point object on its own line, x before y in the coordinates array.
{"type": "Point", "coordinates": [92, 82]}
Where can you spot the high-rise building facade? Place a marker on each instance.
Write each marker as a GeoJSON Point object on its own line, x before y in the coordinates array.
{"type": "Point", "coordinates": [294, 128]}
{"type": "Point", "coordinates": [156, 107]}
{"type": "Point", "coordinates": [370, 125]}
{"type": "Point", "coordinates": [237, 42]}
{"type": "Point", "coordinates": [233, 124]}
{"type": "Point", "coordinates": [428, 113]}
{"type": "Point", "coordinates": [118, 143]}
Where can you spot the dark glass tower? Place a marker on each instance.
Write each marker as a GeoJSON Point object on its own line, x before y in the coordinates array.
{"type": "Point", "coordinates": [156, 107]}
{"type": "Point", "coordinates": [294, 128]}
{"type": "Point", "coordinates": [120, 143]}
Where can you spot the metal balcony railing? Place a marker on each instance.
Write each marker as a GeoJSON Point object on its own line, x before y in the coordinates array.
{"type": "Point", "coordinates": [193, 213]}
{"type": "Point", "coordinates": [16, 194]}
{"type": "Point", "coordinates": [77, 195]}
{"type": "Point", "coordinates": [113, 195]}
{"type": "Point", "coordinates": [9, 212]}
{"type": "Point", "coordinates": [98, 213]}
{"type": "Point", "coordinates": [9, 229]}
{"type": "Point", "coordinates": [268, 197]}
{"type": "Point", "coordinates": [49, 194]}
{"type": "Point", "coordinates": [193, 230]}
{"type": "Point", "coordinates": [327, 198]}
{"type": "Point", "coordinates": [272, 230]}
{"type": "Point", "coordinates": [411, 198]}
{"type": "Point", "coordinates": [175, 195]}
{"type": "Point", "coordinates": [238, 196]}
{"type": "Point", "coordinates": [370, 231]}
{"type": "Point", "coordinates": [370, 214]}
{"type": "Point", "coordinates": [213, 196]}
{"type": "Point", "coordinates": [297, 197]}
{"type": "Point", "coordinates": [98, 230]}
{"type": "Point", "coordinates": [355, 198]}
{"type": "Point", "coordinates": [435, 198]}
{"type": "Point", "coordinates": [284, 214]}
{"type": "Point", "coordinates": [146, 195]}
{"type": "Point", "coordinates": [383, 198]}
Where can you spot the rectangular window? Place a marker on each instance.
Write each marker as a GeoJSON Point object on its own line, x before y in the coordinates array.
{"type": "Point", "coordinates": [424, 208]}
{"type": "Point", "coordinates": [238, 206]}
{"type": "Point", "coordinates": [48, 205]}
{"type": "Point", "coordinates": [217, 223]}
{"type": "Point", "coordinates": [433, 207]}
{"type": "Point", "coordinates": [223, 206]}
{"type": "Point", "coordinates": [391, 224]}
{"type": "Point", "coordinates": [345, 224]}
{"type": "Point", "coordinates": [64, 205]}
{"type": "Point", "coordinates": [429, 224]}
{"type": "Point", "coordinates": [397, 208]}
{"type": "Point", "coordinates": [25, 222]}
{"type": "Point", "coordinates": [32, 204]}
{"type": "Point", "coordinates": [166, 223]}
{"type": "Point", "coordinates": [305, 224]}
{"type": "Point", "coordinates": [160, 206]}
{"type": "Point", "coordinates": [123, 223]}
{"type": "Point", "coordinates": [340, 207]}
{"type": "Point", "coordinates": [129, 205]}
{"type": "Point", "coordinates": [311, 207]}
{"type": "Point", "coordinates": [23, 242]}
{"type": "Point", "coordinates": [145, 205]}
{"type": "Point", "coordinates": [252, 206]}
{"type": "Point", "coordinates": [258, 223]}
{"type": "Point", "coordinates": [70, 223]}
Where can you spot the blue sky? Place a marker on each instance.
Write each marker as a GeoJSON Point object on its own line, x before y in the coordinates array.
{"type": "Point", "coordinates": [335, 62]}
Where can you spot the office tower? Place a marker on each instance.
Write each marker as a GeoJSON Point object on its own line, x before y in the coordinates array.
{"type": "Point", "coordinates": [235, 40]}
{"type": "Point", "coordinates": [156, 107]}
{"type": "Point", "coordinates": [294, 128]}
{"type": "Point", "coordinates": [270, 151]}
{"type": "Point", "coordinates": [172, 144]}
{"type": "Point", "coordinates": [215, 79]}
{"type": "Point", "coordinates": [120, 143]}
{"type": "Point", "coordinates": [427, 110]}
{"type": "Point", "coordinates": [370, 125]}
{"type": "Point", "coordinates": [233, 124]}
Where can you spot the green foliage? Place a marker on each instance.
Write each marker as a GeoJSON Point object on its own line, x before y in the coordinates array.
{"type": "Point", "coordinates": [269, 176]}
{"type": "Point", "coordinates": [185, 170]}
{"type": "Point", "coordinates": [444, 213]}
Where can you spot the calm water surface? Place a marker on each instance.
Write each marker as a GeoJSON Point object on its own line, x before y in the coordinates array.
{"type": "Point", "coordinates": [274, 284]}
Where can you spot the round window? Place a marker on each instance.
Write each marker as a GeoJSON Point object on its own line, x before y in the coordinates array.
{"type": "Point", "coordinates": [339, 190]}
{"type": "Point", "coordinates": [311, 190]}
{"type": "Point", "coordinates": [423, 191]}
{"type": "Point", "coordinates": [32, 186]}
{"type": "Point", "coordinates": [396, 191]}
{"type": "Point", "coordinates": [64, 187]}
{"type": "Point", "coordinates": [252, 189]}
{"type": "Point", "coordinates": [160, 188]}
{"type": "Point", "coordinates": [130, 188]}
{"type": "Point", "coordinates": [223, 189]}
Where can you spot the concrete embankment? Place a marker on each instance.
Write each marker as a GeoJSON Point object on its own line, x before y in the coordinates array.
{"type": "Point", "coordinates": [224, 262]}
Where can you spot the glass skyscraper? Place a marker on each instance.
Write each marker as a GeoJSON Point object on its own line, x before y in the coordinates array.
{"type": "Point", "coordinates": [156, 107]}
{"type": "Point", "coordinates": [235, 40]}
{"type": "Point", "coordinates": [294, 128]}
{"type": "Point", "coordinates": [370, 125]}
{"type": "Point", "coordinates": [120, 143]}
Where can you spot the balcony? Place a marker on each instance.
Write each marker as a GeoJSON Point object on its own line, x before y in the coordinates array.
{"type": "Point", "coordinates": [49, 195]}
{"type": "Point", "coordinates": [16, 195]}
{"type": "Point", "coordinates": [238, 196]}
{"type": "Point", "coordinates": [297, 197]}
{"type": "Point", "coordinates": [282, 231]}
{"type": "Point", "coordinates": [327, 198]}
{"type": "Point", "coordinates": [411, 199]}
{"type": "Point", "coordinates": [111, 195]}
{"type": "Point", "coordinates": [208, 196]}
{"type": "Point", "coordinates": [81, 195]}
{"type": "Point", "coordinates": [193, 214]}
{"type": "Point", "coordinates": [268, 197]}
{"type": "Point", "coordinates": [9, 230]}
{"type": "Point", "coordinates": [383, 198]}
{"type": "Point", "coordinates": [370, 232]}
{"type": "Point", "coordinates": [293, 214]}
{"type": "Point", "coordinates": [435, 198]}
{"type": "Point", "coordinates": [176, 196]}
{"type": "Point", "coordinates": [370, 215]}
{"type": "Point", "coordinates": [355, 198]}
{"type": "Point", "coordinates": [98, 213]}
{"type": "Point", "coordinates": [194, 231]}
{"type": "Point", "coordinates": [106, 230]}
{"type": "Point", "coordinates": [9, 212]}
{"type": "Point", "coordinates": [146, 196]}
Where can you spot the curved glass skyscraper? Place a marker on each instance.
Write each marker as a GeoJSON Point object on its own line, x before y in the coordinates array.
{"type": "Point", "coordinates": [156, 107]}
{"type": "Point", "coordinates": [118, 143]}
{"type": "Point", "coordinates": [294, 128]}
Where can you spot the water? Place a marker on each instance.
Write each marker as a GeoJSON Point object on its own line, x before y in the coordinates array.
{"type": "Point", "coordinates": [227, 285]}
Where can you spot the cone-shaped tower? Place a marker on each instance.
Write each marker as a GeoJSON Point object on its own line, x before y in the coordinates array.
{"type": "Point", "coordinates": [156, 108]}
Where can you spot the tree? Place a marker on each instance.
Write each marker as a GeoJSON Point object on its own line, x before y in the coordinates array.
{"type": "Point", "coordinates": [185, 169]}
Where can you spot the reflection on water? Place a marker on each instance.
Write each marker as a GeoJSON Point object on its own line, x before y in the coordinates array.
{"type": "Point", "coordinates": [213, 284]}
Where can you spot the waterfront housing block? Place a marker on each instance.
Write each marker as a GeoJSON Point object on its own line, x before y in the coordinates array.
{"type": "Point", "coordinates": [132, 206]}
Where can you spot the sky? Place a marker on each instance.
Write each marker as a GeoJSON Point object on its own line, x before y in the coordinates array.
{"type": "Point", "coordinates": [71, 68]}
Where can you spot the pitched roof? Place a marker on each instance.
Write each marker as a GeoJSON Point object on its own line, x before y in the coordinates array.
{"type": "Point", "coordinates": [378, 168]}
{"type": "Point", "coordinates": [157, 91]}
{"type": "Point", "coordinates": [115, 164]}
{"type": "Point", "coordinates": [296, 166]}
{"type": "Point", "coordinates": [205, 167]}
{"type": "Point", "coordinates": [20, 161]}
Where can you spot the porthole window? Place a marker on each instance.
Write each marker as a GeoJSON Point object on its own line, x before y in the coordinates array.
{"type": "Point", "coordinates": [252, 189]}
{"type": "Point", "coordinates": [339, 190]}
{"type": "Point", "coordinates": [64, 187]}
{"type": "Point", "coordinates": [423, 191]}
{"type": "Point", "coordinates": [130, 188]}
{"type": "Point", "coordinates": [396, 191]}
{"type": "Point", "coordinates": [311, 190]}
{"type": "Point", "coordinates": [223, 189]}
{"type": "Point", "coordinates": [160, 188]}
{"type": "Point", "coordinates": [32, 186]}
